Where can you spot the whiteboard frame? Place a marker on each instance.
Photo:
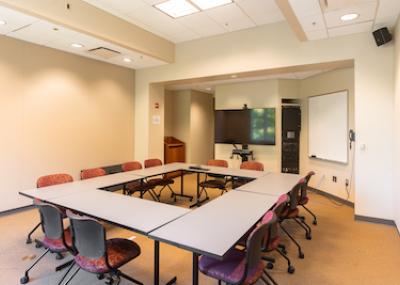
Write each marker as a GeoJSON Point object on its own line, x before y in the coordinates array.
{"type": "Point", "coordinates": [348, 129]}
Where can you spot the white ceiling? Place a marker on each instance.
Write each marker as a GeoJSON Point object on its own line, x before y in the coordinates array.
{"type": "Point", "coordinates": [209, 86]}
{"type": "Point", "coordinates": [242, 14]}
{"type": "Point", "coordinates": [319, 21]}
{"type": "Point", "coordinates": [41, 32]}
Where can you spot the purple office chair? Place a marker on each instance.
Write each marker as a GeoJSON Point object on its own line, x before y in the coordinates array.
{"type": "Point", "coordinates": [303, 199]}
{"type": "Point", "coordinates": [240, 267]}
{"type": "Point", "coordinates": [95, 254]}
{"type": "Point", "coordinates": [56, 239]}
{"type": "Point", "coordinates": [164, 181]}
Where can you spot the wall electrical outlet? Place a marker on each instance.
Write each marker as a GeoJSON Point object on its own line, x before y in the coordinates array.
{"type": "Point", "coordinates": [347, 182]}
{"type": "Point", "coordinates": [334, 179]}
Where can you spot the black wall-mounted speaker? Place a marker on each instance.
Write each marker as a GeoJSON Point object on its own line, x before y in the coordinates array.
{"type": "Point", "coordinates": [382, 36]}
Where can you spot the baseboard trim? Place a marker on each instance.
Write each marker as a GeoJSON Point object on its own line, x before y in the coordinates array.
{"type": "Point", "coordinates": [333, 197]}
{"type": "Point", "coordinates": [16, 210]}
{"type": "Point", "coordinates": [375, 220]}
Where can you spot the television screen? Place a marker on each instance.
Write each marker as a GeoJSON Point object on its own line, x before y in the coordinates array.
{"type": "Point", "coordinates": [246, 126]}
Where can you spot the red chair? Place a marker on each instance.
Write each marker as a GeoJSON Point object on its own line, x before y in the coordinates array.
{"type": "Point", "coordinates": [45, 181]}
{"type": "Point", "coordinates": [303, 199]}
{"type": "Point", "coordinates": [248, 165]}
{"type": "Point", "coordinates": [217, 182]}
{"type": "Point", "coordinates": [164, 181]}
{"type": "Point", "coordinates": [91, 173]}
{"type": "Point", "coordinates": [56, 239]}
{"type": "Point", "coordinates": [98, 255]}
{"type": "Point", "coordinates": [135, 186]}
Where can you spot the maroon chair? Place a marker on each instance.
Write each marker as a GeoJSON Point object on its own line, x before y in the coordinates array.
{"type": "Point", "coordinates": [303, 199]}
{"type": "Point", "coordinates": [98, 255]}
{"type": "Point", "coordinates": [135, 186]}
{"type": "Point", "coordinates": [248, 165]}
{"type": "Point", "coordinates": [164, 181]}
{"type": "Point", "coordinates": [45, 181]}
{"type": "Point", "coordinates": [92, 173]}
{"type": "Point", "coordinates": [217, 181]}
{"type": "Point", "coordinates": [56, 239]}
{"type": "Point", "coordinates": [238, 266]}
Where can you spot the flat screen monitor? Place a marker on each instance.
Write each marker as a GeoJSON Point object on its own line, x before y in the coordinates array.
{"type": "Point", "coordinates": [245, 126]}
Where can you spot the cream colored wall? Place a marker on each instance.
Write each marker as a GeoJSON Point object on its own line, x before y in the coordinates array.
{"type": "Point", "coordinates": [396, 175]}
{"type": "Point", "coordinates": [261, 48]}
{"type": "Point", "coordinates": [256, 94]}
{"type": "Point", "coordinates": [317, 85]}
{"type": "Point", "coordinates": [201, 127]}
{"type": "Point", "coordinates": [59, 113]}
{"type": "Point", "coordinates": [156, 121]}
{"type": "Point", "coordinates": [168, 113]}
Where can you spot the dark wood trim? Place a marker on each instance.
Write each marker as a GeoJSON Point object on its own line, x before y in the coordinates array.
{"type": "Point", "coordinates": [16, 210]}
{"type": "Point", "coordinates": [375, 220]}
{"type": "Point", "coordinates": [333, 197]}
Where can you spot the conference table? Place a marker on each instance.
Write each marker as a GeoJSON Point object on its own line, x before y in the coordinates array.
{"type": "Point", "coordinates": [211, 229]}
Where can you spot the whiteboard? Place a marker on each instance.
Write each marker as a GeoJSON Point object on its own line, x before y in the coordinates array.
{"type": "Point", "coordinates": [328, 127]}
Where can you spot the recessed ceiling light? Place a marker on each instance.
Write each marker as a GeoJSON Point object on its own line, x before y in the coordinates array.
{"type": "Point", "coordinates": [76, 45]}
{"type": "Point", "coordinates": [177, 8]}
{"type": "Point", "coordinates": [349, 17]}
{"type": "Point", "coordinates": [127, 59]}
{"type": "Point", "coordinates": [208, 88]}
{"type": "Point", "coordinates": [2, 23]}
{"type": "Point", "coordinates": [208, 4]}
{"type": "Point", "coordinates": [234, 76]}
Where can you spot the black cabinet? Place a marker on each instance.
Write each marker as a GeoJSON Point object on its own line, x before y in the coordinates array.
{"type": "Point", "coordinates": [291, 127]}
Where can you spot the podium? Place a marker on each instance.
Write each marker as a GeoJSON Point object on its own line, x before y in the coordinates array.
{"type": "Point", "coordinates": [174, 150]}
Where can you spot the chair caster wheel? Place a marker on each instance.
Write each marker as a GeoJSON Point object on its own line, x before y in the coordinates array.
{"type": "Point", "coordinates": [59, 256]}
{"type": "Point", "coordinates": [309, 237]}
{"type": "Point", "coordinates": [191, 199]}
{"type": "Point", "coordinates": [291, 269]}
{"type": "Point", "coordinates": [28, 241]}
{"type": "Point", "coordinates": [100, 276]}
{"type": "Point", "coordinates": [24, 280]}
{"type": "Point", "coordinates": [38, 245]}
{"type": "Point", "coordinates": [301, 255]}
{"type": "Point", "coordinates": [315, 223]}
{"type": "Point", "coordinates": [270, 265]}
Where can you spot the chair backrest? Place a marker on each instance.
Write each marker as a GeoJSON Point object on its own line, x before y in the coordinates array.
{"type": "Point", "coordinates": [51, 220]}
{"type": "Point", "coordinates": [281, 205]}
{"type": "Point", "coordinates": [217, 162]}
{"type": "Point", "coordinates": [131, 165]}
{"type": "Point", "coordinates": [53, 179]}
{"type": "Point", "coordinates": [93, 172]}
{"type": "Point", "coordinates": [255, 244]}
{"type": "Point", "coordinates": [88, 236]}
{"type": "Point", "coordinates": [252, 165]}
{"type": "Point", "coordinates": [304, 188]}
{"type": "Point", "coordinates": [294, 194]}
{"type": "Point", "coordinates": [152, 162]}
{"type": "Point", "coordinates": [272, 231]}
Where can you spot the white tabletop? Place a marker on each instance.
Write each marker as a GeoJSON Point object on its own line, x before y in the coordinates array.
{"type": "Point", "coordinates": [54, 191]}
{"type": "Point", "coordinates": [218, 225]}
{"type": "Point", "coordinates": [227, 171]}
{"type": "Point", "coordinates": [274, 184]}
{"type": "Point", "coordinates": [110, 179]}
{"type": "Point", "coordinates": [157, 170]}
{"type": "Point", "coordinates": [132, 213]}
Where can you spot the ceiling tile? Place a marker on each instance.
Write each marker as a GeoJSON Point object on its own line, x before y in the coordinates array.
{"type": "Point", "coordinates": [350, 29]}
{"type": "Point", "coordinates": [305, 7]}
{"type": "Point", "coordinates": [14, 20]}
{"type": "Point", "coordinates": [366, 11]}
{"type": "Point", "coordinates": [202, 24]}
{"type": "Point", "coordinates": [388, 13]}
{"type": "Point", "coordinates": [317, 35]}
{"type": "Point", "coordinates": [231, 17]}
{"type": "Point", "coordinates": [312, 23]}
{"type": "Point", "coordinates": [261, 11]}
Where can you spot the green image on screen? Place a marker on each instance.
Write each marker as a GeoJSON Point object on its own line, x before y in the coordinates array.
{"type": "Point", "coordinates": [262, 124]}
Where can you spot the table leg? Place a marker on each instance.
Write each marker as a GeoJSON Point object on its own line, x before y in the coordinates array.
{"type": "Point", "coordinates": [195, 273]}
{"type": "Point", "coordinates": [198, 201]}
{"type": "Point", "coordinates": [182, 194]}
{"type": "Point", "coordinates": [157, 266]}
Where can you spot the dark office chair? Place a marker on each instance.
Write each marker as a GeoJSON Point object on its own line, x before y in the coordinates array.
{"type": "Point", "coordinates": [248, 165]}
{"type": "Point", "coordinates": [164, 181]}
{"type": "Point", "coordinates": [218, 181]}
{"type": "Point", "coordinates": [95, 254]}
{"type": "Point", "coordinates": [135, 186]}
{"type": "Point", "coordinates": [92, 173]}
{"type": "Point", "coordinates": [291, 212]}
{"type": "Point", "coordinates": [56, 239]}
{"type": "Point", "coordinates": [44, 181]}
{"type": "Point", "coordinates": [303, 199]}
{"type": "Point", "coordinates": [240, 267]}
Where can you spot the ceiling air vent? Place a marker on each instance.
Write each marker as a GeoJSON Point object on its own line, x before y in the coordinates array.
{"type": "Point", "coordinates": [103, 52]}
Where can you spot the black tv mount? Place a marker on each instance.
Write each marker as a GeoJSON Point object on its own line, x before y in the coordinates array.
{"type": "Point", "coordinates": [244, 153]}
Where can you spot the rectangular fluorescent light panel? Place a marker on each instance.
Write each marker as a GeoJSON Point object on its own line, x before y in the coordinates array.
{"type": "Point", "coordinates": [177, 8]}
{"type": "Point", "coordinates": [208, 4]}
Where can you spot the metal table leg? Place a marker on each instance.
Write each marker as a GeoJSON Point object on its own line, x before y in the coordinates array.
{"type": "Point", "coordinates": [157, 266]}
{"type": "Point", "coordinates": [198, 201]}
{"type": "Point", "coordinates": [182, 194]}
{"type": "Point", "coordinates": [195, 273]}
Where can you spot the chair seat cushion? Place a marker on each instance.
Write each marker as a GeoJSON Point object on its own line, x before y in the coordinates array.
{"type": "Point", "coordinates": [57, 245]}
{"type": "Point", "coordinates": [231, 269]}
{"type": "Point", "coordinates": [120, 251]}
{"type": "Point", "coordinates": [136, 186]}
{"type": "Point", "coordinates": [215, 183]}
{"type": "Point", "coordinates": [160, 182]}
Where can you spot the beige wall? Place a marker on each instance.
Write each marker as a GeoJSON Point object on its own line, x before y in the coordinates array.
{"type": "Point", "coordinates": [396, 175]}
{"type": "Point", "coordinates": [317, 85]}
{"type": "Point", "coordinates": [261, 48]}
{"type": "Point", "coordinates": [59, 113]}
